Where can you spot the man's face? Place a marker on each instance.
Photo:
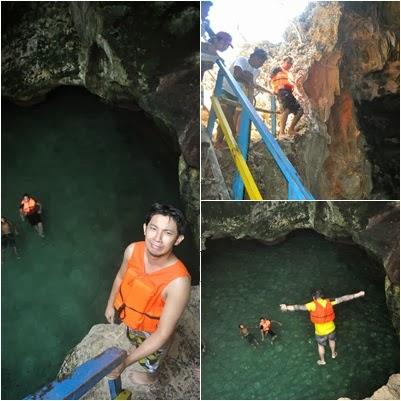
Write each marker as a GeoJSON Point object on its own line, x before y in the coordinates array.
{"type": "Point", "coordinates": [222, 45]}
{"type": "Point", "coordinates": [26, 198]}
{"type": "Point", "coordinates": [287, 65]}
{"type": "Point", "coordinates": [161, 235]}
{"type": "Point", "coordinates": [256, 62]}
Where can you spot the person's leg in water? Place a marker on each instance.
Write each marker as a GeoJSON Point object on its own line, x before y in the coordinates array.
{"type": "Point", "coordinates": [321, 351]}
{"type": "Point", "coordinates": [39, 229]}
{"type": "Point", "coordinates": [283, 122]}
{"type": "Point", "coordinates": [332, 344]}
{"type": "Point", "coordinates": [297, 116]}
{"type": "Point", "coordinates": [272, 335]}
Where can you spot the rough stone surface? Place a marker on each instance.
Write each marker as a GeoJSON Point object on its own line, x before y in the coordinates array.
{"type": "Point", "coordinates": [346, 64]}
{"type": "Point", "coordinates": [372, 225]}
{"type": "Point", "coordinates": [390, 391]}
{"type": "Point", "coordinates": [177, 379]}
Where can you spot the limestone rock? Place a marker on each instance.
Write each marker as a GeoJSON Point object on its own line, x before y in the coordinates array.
{"type": "Point", "coordinates": [391, 391]}
{"type": "Point", "coordinates": [177, 379]}
{"type": "Point", "coordinates": [346, 65]}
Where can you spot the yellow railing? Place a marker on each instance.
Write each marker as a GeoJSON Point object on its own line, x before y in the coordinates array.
{"type": "Point", "coordinates": [249, 183]}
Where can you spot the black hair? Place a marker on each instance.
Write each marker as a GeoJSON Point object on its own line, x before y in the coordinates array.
{"type": "Point", "coordinates": [288, 59]}
{"type": "Point", "coordinates": [170, 211]}
{"type": "Point", "coordinates": [317, 293]}
{"type": "Point", "coordinates": [26, 195]}
{"type": "Point", "coordinates": [259, 53]}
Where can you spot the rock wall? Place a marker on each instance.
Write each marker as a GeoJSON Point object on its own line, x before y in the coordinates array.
{"type": "Point", "coordinates": [375, 226]}
{"type": "Point", "coordinates": [346, 62]}
{"type": "Point", "coordinates": [390, 391]}
{"type": "Point", "coordinates": [176, 379]}
{"type": "Point", "coordinates": [135, 55]}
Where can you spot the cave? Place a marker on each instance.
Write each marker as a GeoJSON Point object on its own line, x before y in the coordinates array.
{"type": "Point", "coordinates": [244, 279]}
{"type": "Point", "coordinates": [96, 170]}
{"type": "Point", "coordinates": [89, 129]}
{"type": "Point", "coordinates": [258, 255]}
{"type": "Point", "coordinates": [381, 115]}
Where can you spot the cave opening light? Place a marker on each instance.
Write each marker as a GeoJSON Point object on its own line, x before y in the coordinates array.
{"type": "Point", "coordinates": [254, 21]}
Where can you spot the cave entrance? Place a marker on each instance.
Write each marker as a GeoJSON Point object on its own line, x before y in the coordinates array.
{"type": "Point", "coordinates": [244, 280]}
{"type": "Point", "coordinates": [96, 170]}
{"type": "Point", "coordinates": [379, 120]}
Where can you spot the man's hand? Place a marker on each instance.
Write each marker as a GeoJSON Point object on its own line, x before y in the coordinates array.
{"type": "Point", "coordinates": [283, 307]}
{"type": "Point", "coordinates": [360, 294]}
{"type": "Point", "coordinates": [109, 313]}
{"type": "Point", "coordinates": [116, 372]}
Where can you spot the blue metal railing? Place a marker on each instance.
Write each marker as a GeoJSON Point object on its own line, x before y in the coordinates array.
{"type": "Point", "coordinates": [296, 190]}
{"type": "Point", "coordinates": [84, 377]}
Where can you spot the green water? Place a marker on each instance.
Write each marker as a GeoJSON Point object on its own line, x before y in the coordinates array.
{"type": "Point", "coordinates": [244, 280]}
{"type": "Point", "coordinates": [96, 170]}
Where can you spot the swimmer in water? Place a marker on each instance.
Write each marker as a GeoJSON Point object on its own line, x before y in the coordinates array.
{"type": "Point", "coordinates": [265, 327]}
{"type": "Point", "coordinates": [245, 333]}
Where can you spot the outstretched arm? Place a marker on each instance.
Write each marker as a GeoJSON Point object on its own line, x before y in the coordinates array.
{"type": "Point", "coordinates": [291, 308]}
{"type": "Point", "coordinates": [350, 297]}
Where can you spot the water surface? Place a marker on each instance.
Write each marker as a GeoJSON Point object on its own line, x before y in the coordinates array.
{"type": "Point", "coordinates": [96, 170]}
{"type": "Point", "coordinates": [244, 280]}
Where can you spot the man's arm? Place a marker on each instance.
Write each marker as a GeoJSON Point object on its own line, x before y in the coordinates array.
{"type": "Point", "coordinates": [292, 308]}
{"type": "Point", "coordinates": [110, 311]}
{"type": "Point", "coordinates": [350, 297]}
{"type": "Point", "coordinates": [243, 76]}
{"type": "Point", "coordinates": [176, 300]}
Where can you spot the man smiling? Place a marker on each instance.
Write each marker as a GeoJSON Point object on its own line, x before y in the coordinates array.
{"type": "Point", "coordinates": [150, 291]}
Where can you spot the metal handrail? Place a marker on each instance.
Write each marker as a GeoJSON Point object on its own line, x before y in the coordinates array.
{"type": "Point", "coordinates": [296, 190]}
{"type": "Point", "coordinates": [84, 378]}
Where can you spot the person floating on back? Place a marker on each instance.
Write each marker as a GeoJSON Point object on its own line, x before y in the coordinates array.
{"type": "Point", "coordinates": [245, 333]}
{"type": "Point", "coordinates": [31, 209]}
{"type": "Point", "coordinates": [322, 316]}
{"type": "Point", "coordinates": [282, 85]}
{"type": "Point", "coordinates": [150, 292]}
{"type": "Point", "coordinates": [8, 233]}
{"type": "Point", "coordinates": [265, 327]}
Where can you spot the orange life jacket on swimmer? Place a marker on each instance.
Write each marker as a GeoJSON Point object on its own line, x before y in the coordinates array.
{"type": "Point", "coordinates": [266, 324]}
{"type": "Point", "coordinates": [280, 81]}
{"type": "Point", "coordinates": [322, 314]}
{"type": "Point", "coordinates": [139, 302]}
{"type": "Point", "coordinates": [29, 206]}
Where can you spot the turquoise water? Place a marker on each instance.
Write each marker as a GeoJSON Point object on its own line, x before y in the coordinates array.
{"type": "Point", "coordinates": [244, 280]}
{"type": "Point", "coordinates": [96, 170]}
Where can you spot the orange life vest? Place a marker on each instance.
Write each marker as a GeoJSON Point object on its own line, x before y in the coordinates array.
{"type": "Point", "coordinates": [322, 314]}
{"type": "Point", "coordinates": [281, 81]}
{"type": "Point", "coordinates": [266, 325]}
{"type": "Point", "coordinates": [29, 206]}
{"type": "Point", "coordinates": [139, 302]}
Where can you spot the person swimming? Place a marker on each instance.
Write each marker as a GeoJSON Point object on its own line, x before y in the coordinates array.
{"type": "Point", "coordinates": [245, 333]}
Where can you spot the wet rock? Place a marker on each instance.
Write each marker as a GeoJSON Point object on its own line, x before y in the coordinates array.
{"type": "Point", "coordinates": [176, 379]}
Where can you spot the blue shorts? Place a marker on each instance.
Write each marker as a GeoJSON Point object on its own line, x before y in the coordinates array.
{"type": "Point", "coordinates": [322, 340]}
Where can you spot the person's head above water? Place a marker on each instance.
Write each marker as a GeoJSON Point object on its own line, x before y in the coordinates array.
{"type": "Point", "coordinates": [317, 293]}
{"type": "Point", "coordinates": [164, 228]}
{"type": "Point", "coordinates": [257, 58]}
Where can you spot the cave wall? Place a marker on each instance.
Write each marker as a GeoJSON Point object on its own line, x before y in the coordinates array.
{"type": "Point", "coordinates": [133, 54]}
{"type": "Point", "coordinates": [345, 54]}
{"type": "Point", "coordinates": [372, 225]}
